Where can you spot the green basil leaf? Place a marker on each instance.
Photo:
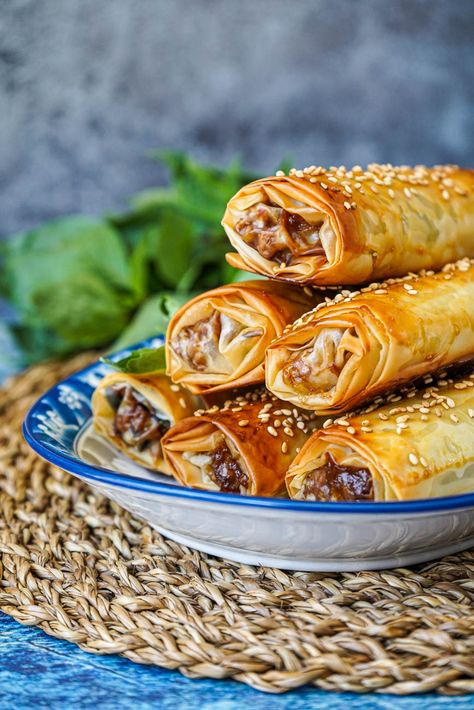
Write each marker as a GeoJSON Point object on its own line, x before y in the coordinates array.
{"type": "Point", "coordinates": [141, 362]}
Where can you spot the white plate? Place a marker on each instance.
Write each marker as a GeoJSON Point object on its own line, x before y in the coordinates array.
{"type": "Point", "coordinates": [276, 532]}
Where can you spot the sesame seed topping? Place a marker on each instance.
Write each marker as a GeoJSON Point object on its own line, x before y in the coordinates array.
{"type": "Point", "coordinates": [454, 418]}
{"type": "Point", "coordinates": [413, 459]}
{"type": "Point", "coordinates": [182, 402]}
{"type": "Point", "coordinates": [284, 447]}
{"type": "Point", "coordinates": [243, 422]}
{"type": "Point", "coordinates": [272, 431]}
{"type": "Point", "coordinates": [174, 388]}
{"type": "Point", "coordinates": [350, 430]}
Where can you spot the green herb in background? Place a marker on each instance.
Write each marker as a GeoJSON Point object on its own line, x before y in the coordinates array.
{"type": "Point", "coordinates": [81, 282]}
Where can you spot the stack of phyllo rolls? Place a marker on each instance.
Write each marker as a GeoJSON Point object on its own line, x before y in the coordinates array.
{"type": "Point", "coordinates": [346, 371]}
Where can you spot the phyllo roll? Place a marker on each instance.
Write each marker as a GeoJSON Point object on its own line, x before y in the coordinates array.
{"type": "Point", "coordinates": [365, 342]}
{"type": "Point", "coordinates": [244, 447]}
{"type": "Point", "coordinates": [418, 446]}
{"type": "Point", "coordinates": [341, 226]}
{"type": "Point", "coordinates": [218, 339]}
{"type": "Point", "coordinates": [135, 411]}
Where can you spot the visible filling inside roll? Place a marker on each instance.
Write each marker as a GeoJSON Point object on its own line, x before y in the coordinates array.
{"type": "Point", "coordinates": [136, 421]}
{"type": "Point", "coordinates": [316, 367]}
{"type": "Point", "coordinates": [335, 482]}
{"type": "Point", "coordinates": [203, 345]}
{"type": "Point", "coordinates": [198, 343]}
{"type": "Point", "coordinates": [221, 467]}
{"type": "Point", "coordinates": [279, 235]}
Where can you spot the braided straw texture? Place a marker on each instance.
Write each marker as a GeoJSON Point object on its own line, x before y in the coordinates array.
{"type": "Point", "coordinates": [84, 570]}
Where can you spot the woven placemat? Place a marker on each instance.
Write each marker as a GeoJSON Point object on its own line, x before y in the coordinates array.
{"type": "Point", "coordinates": [85, 570]}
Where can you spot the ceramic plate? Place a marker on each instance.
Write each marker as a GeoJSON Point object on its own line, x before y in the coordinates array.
{"type": "Point", "coordinates": [271, 531]}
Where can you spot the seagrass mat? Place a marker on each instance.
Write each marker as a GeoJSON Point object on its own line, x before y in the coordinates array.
{"type": "Point", "coordinates": [85, 570]}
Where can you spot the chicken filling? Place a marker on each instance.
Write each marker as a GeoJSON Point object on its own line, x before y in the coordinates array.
{"type": "Point", "coordinates": [336, 482]}
{"type": "Point", "coordinates": [136, 422]}
{"type": "Point", "coordinates": [279, 235]}
{"type": "Point", "coordinates": [203, 345]}
{"type": "Point", "coordinates": [317, 367]}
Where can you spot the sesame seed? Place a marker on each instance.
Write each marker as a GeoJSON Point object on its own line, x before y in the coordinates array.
{"type": "Point", "coordinates": [350, 430]}
{"type": "Point", "coordinates": [391, 192]}
{"type": "Point", "coordinates": [272, 431]}
{"type": "Point", "coordinates": [423, 461]}
{"type": "Point", "coordinates": [300, 425]}
{"type": "Point", "coordinates": [471, 413]}
{"type": "Point", "coordinates": [243, 422]}
{"type": "Point", "coordinates": [445, 195]}
{"type": "Point", "coordinates": [327, 423]}
{"type": "Point", "coordinates": [182, 402]}
{"type": "Point", "coordinates": [454, 418]}
{"type": "Point", "coordinates": [284, 447]}
{"type": "Point", "coordinates": [288, 431]}
{"type": "Point", "coordinates": [347, 205]}
{"type": "Point", "coordinates": [174, 388]}
{"type": "Point", "coordinates": [413, 459]}
{"type": "Point", "coordinates": [280, 173]}
{"type": "Point", "coordinates": [286, 412]}
{"type": "Point", "coordinates": [277, 423]}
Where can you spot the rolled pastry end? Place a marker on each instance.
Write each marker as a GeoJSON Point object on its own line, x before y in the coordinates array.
{"type": "Point", "coordinates": [134, 412]}
{"type": "Point", "coordinates": [210, 461]}
{"type": "Point", "coordinates": [278, 234]}
{"type": "Point", "coordinates": [333, 481]}
{"type": "Point", "coordinates": [218, 340]}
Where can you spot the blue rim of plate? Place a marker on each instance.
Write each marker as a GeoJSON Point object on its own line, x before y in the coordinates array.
{"type": "Point", "coordinates": [82, 383]}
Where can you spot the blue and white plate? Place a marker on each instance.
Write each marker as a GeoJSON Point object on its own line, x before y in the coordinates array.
{"type": "Point", "coordinates": [269, 531]}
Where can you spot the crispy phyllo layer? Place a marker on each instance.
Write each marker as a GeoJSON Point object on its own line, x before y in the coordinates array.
{"type": "Point", "coordinates": [340, 226]}
{"type": "Point", "coordinates": [135, 411]}
{"type": "Point", "coordinates": [366, 342]}
{"type": "Point", "coordinates": [243, 447]}
{"type": "Point", "coordinates": [417, 444]}
{"type": "Point", "coordinates": [218, 339]}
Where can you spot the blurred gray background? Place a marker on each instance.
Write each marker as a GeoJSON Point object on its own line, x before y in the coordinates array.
{"type": "Point", "coordinates": [87, 87]}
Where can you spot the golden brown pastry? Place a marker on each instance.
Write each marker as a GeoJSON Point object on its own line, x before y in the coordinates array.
{"type": "Point", "coordinates": [366, 342]}
{"type": "Point", "coordinates": [218, 339]}
{"type": "Point", "coordinates": [244, 447]}
{"type": "Point", "coordinates": [134, 411]}
{"type": "Point", "coordinates": [418, 446]}
{"type": "Point", "coordinates": [341, 226]}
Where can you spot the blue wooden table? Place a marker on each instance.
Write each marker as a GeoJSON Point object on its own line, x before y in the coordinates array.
{"type": "Point", "coordinates": [37, 670]}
